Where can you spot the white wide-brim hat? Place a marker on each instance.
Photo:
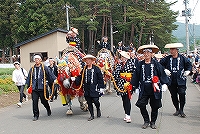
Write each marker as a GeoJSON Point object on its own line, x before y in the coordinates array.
{"type": "Point", "coordinates": [89, 56]}
{"type": "Point", "coordinates": [154, 48]}
{"type": "Point", "coordinates": [124, 54]}
{"type": "Point", "coordinates": [174, 45]}
{"type": "Point", "coordinates": [75, 30]}
{"type": "Point", "coordinates": [16, 62]}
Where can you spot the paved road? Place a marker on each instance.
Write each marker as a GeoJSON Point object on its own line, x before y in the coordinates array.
{"type": "Point", "coordinates": [15, 120]}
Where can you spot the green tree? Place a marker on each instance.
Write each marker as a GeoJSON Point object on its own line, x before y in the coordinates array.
{"type": "Point", "coordinates": [36, 17]}
{"type": "Point", "coordinates": [7, 16]}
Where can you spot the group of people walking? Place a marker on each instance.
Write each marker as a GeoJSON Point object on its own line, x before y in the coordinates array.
{"type": "Point", "coordinates": [147, 76]}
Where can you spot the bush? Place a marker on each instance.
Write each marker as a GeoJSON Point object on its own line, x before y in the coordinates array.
{"type": "Point", "coordinates": [6, 71]}
{"type": "Point", "coordinates": [6, 83]}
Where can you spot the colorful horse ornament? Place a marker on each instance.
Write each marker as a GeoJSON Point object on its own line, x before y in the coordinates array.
{"type": "Point", "coordinates": [106, 62]}
{"type": "Point", "coordinates": [69, 65]}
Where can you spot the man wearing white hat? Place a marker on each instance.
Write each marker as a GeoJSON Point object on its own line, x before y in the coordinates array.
{"type": "Point", "coordinates": [37, 76]}
{"type": "Point", "coordinates": [125, 67]}
{"type": "Point", "coordinates": [177, 67]}
{"type": "Point", "coordinates": [19, 77]}
{"type": "Point", "coordinates": [151, 80]}
{"type": "Point", "coordinates": [93, 84]}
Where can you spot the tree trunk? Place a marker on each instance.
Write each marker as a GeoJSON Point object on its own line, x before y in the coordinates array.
{"type": "Point", "coordinates": [83, 41]}
{"type": "Point", "coordinates": [106, 26]}
{"type": "Point", "coordinates": [103, 27]}
{"type": "Point", "coordinates": [132, 34]}
{"type": "Point", "coordinates": [140, 36]}
{"type": "Point", "coordinates": [124, 35]}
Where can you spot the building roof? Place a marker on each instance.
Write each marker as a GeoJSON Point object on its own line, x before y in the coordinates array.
{"type": "Point", "coordinates": [40, 36]}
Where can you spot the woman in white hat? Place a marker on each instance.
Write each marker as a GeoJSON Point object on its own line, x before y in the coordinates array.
{"type": "Point", "coordinates": [124, 68]}
{"type": "Point", "coordinates": [177, 67]}
{"type": "Point", "coordinates": [93, 84]}
{"type": "Point", "coordinates": [19, 77]}
{"type": "Point", "coordinates": [150, 78]}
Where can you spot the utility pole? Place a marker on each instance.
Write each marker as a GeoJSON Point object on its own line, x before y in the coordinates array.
{"type": "Point", "coordinates": [67, 15]}
{"type": "Point", "coordinates": [194, 36]}
{"type": "Point", "coordinates": [186, 14]}
{"type": "Point", "coordinates": [111, 33]}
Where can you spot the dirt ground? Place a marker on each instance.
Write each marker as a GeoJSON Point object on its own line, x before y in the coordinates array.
{"type": "Point", "coordinates": [9, 99]}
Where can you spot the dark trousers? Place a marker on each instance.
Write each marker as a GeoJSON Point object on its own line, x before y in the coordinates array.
{"type": "Point", "coordinates": [91, 100]}
{"type": "Point", "coordinates": [35, 98]}
{"type": "Point", "coordinates": [21, 93]}
{"type": "Point", "coordinates": [155, 105]}
{"type": "Point", "coordinates": [126, 104]}
{"type": "Point", "coordinates": [55, 94]}
{"type": "Point", "coordinates": [178, 95]}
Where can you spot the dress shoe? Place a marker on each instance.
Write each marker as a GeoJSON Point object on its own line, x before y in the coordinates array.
{"type": "Point", "coordinates": [35, 118]}
{"type": "Point", "coordinates": [182, 114]}
{"type": "Point", "coordinates": [145, 125]}
{"type": "Point", "coordinates": [98, 113]}
{"type": "Point", "coordinates": [152, 125]}
{"type": "Point", "coordinates": [91, 118]}
{"type": "Point", "coordinates": [49, 112]}
{"type": "Point", "coordinates": [176, 113]}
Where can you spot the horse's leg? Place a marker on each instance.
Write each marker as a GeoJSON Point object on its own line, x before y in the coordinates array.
{"type": "Point", "coordinates": [69, 110]}
{"type": "Point", "coordinates": [83, 103]}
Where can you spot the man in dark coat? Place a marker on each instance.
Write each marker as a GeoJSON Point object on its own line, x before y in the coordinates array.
{"type": "Point", "coordinates": [104, 44]}
{"type": "Point", "coordinates": [36, 79]}
{"type": "Point", "coordinates": [150, 79]}
{"type": "Point", "coordinates": [177, 67]}
{"type": "Point", "coordinates": [54, 69]}
{"type": "Point", "coordinates": [93, 84]}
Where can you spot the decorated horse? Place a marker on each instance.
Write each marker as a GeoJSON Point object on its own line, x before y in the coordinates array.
{"type": "Point", "coordinates": [70, 65]}
{"type": "Point", "coordinates": [106, 61]}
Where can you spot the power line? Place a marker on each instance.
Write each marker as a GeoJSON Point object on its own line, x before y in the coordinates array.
{"type": "Point", "coordinates": [195, 6]}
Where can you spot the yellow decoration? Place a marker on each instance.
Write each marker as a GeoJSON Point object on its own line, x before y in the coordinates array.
{"type": "Point", "coordinates": [72, 44]}
{"type": "Point", "coordinates": [126, 85]}
{"type": "Point", "coordinates": [63, 99]}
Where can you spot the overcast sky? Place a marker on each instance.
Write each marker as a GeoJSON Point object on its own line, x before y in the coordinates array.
{"type": "Point", "coordinates": [194, 5]}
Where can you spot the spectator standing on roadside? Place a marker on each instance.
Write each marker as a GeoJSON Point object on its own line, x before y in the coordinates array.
{"type": "Point", "coordinates": [19, 76]}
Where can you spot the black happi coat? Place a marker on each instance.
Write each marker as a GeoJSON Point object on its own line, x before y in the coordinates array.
{"type": "Point", "coordinates": [184, 65]}
{"type": "Point", "coordinates": [128, 67]}
{"type": "Point", "coordinates": [104, 45]}
{"type": "Point", "coordinates": [91, 89]}
{"type": "Point", "coordinates": [158, 70]}
{"type": "Point", "coordinates": [40, 85]}
{"type": "Point", "coordinates": [74, 39]}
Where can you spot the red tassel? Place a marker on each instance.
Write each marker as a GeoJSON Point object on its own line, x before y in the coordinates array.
{"type": "Point", "coordinates": [129, 94]}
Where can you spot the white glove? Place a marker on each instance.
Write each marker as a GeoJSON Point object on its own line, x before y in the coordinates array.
{"type": "Point", "coordinates": [164, 87]}
{"type": "Point", "coordinates": [73, 78]}
{"type": "Point", "coordinates": [186, 73]}
{"type": "Point", "coordinates": [55, 81]}
{"type": "Point", "coordinates": [101, 90]}
{"type": "Point", "coordinates": [168, 73]}
{"type": "Point", "coordinates": [137, 91]}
